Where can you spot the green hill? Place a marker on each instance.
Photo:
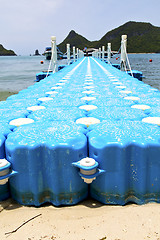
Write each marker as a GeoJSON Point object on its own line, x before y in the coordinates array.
{"type": "Point", "coordinates": [142, 38]}
{"type": "Point", "coordinates": [5, 52]}
{"type": "Point", "coordinates": [75, 40]}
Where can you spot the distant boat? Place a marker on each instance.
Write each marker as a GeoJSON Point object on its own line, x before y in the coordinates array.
{"type": "Point", "coordinates": [48, 54]}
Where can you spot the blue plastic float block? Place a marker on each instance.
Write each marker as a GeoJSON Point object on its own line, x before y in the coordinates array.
{"type": "Point", "coordinates": [13, 97]}
{"type": "Point", "coordinates": [4, 129]}
{"type": "Point", "coordinates": [74, 94]}
{"type": "Point", "coordinates": [8, 115]}
{"type": "Point", "coordinates": [17, 104]}
{"type": "Point", "coordinates": [129, 153]}
{"type": "Point", "coordinates": [60, 67]}
{"type": "Point", "coordinates": [141, 88]}
{"type": "Point", "coordinates": [148, 94]}
{"type": "Point", "coordinates": [116, 66]}
{"type": "Point", "coordinates": [69, 90]}
{"type": "Point", "coordinates": [108, 102]}
{"type": "Point", "coordinates": [52, 94]}
{"type": "Point", "coordinates": [8, 127]}
{"type": "Point", "coordinates": [58, 114]}
{"type": "Point", "coordinates": [43, 154]}
{"type": "Point", "coordinates": [145, 100]}
{"type": "Point", "coordinates": [132, 86]}
{"type": "Point", "coordinates": [42, 89]}
{"type": "Point", "coordinates": [72, 89]}
{"type": "Point", "coordinates": [2, 146]}
{"type": "Point", "coordinates": [4, 192]}
{"type": "Point", "coordinates": [136, 74]}
{"type": "Point", "coordinates": [29, 95]}
{"type": "Point", "coordinates": [118, 113]}
{"type": "Point", "coordinates": [150, 101]}
{"type": "Point", "coordinates": [68, 102]}
{"type": "Point", "coordinates": [79, 94]}
{"type": "Point", "coordinates": [40, 86]}
{"type": "Point", "coordinates": [42, 75]}
{"type": "Point", "coordinates": [52, 77]}
{"type": "Point", "coordinates": [154, 111]}
{"type": "Point", "coordinates": [95, 94]}
{"type": "Point", "coordinates": [110, 94]}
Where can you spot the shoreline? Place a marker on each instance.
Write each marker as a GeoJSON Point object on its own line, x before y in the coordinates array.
{"type": "Point", "coordinates": [5, 94]}
{"type": "Point", "coordinates": [88, 220]}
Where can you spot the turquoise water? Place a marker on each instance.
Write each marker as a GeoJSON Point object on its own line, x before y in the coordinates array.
{"type": "Point", "coordinates": [19, 72]}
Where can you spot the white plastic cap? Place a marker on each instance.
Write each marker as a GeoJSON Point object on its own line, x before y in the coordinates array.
{"type": "Point", "coordinates": [88, 83]}
{"type": "Point", "coordinates": [142, 107]}
{"type": "Point", "coordinates": [60, 83]}
{"type": "Point", "coordinates": [88, 80]}
{"type": "Point", "coordinates": [117, 83]}
{"type": "Point", "coordinates": [88, 98]}
{"type": "Point", "coordinates": [63, 80]}
{"type": "Point", "coordinates": [88, 121]}
{"type": "Point", "coordinates": [35, 108]}
{"type": "Point", "coordinates": [3, 162]}
{"type": "Point", "coordinates": [56, 87]}
{"type": "Point", "coordinates": [152, 120]}
{"type": "Point", "coordinates": [43, 99]}
{"type": "Point", "coordinates": [131, 98]}
{"type": "Point", "coordinates": [114, 80]}
{"type": "Point", "coordinates": [88, 87]}
{"type": "Point", "coordinates": [88, 92]}
{"type": "Point", "coordinates": [51, 92]}
{"type": "Point", "coordinates": [87, 162]}
{"type": "Point", "coordinates": [124, 37]}
{"type": "Point", "coordinates": [21, 121]}
{"type": "Point", "coordinates": [88, 107]}
{"type": "Point", "coordinates": [125, 91]}
{"type": "Point", "coordinates": [53, 38]}
{"type": "Point", "coordinates": [88, 75]}
{"type": "Point", "coordinates": [121, 87]}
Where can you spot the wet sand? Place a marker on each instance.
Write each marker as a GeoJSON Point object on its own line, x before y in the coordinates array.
{"type": "Point", "coordinates": [5, 94]}
{"type": "Point", "coordinates": [89, 220]}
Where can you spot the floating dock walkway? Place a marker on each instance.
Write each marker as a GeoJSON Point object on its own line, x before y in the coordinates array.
{"type": "Point", "coordinates": [87, 130]}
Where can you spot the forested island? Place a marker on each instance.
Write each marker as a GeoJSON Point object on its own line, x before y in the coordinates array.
{"type": "Point", "coordinates": [5, 52]}
{"type": "Point", "coordinates": [142, 38]}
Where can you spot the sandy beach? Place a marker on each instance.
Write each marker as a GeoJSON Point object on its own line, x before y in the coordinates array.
{"type": "Point", "coordinates": [89, 220]}
{"type": "Point", "coordinates": [5, 94]}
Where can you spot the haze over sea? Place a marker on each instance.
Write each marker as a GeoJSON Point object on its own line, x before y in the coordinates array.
{"type": "Point", "coordinates": [19, 72]}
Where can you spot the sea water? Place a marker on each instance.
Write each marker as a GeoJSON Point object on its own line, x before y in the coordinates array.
{"type": "Point", "coordinates": [150, 70]}
{"type": "Point", "coordinates": [19, 72]}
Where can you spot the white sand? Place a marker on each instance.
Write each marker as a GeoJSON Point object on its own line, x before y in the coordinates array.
{"type": "Point", "coordinates": [88, 220]}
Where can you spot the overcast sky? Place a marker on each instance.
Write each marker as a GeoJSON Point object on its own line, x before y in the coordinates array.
{"type": "Point", "coordinates": [26, 25]}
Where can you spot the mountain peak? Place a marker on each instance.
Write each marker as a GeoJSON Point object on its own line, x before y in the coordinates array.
{"type": "Point", "coordinates": [72, 34]}
{"type": "Point", "coordinates": [137, 23]}
{"type": "Point", "coordinates": [139, 35]}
